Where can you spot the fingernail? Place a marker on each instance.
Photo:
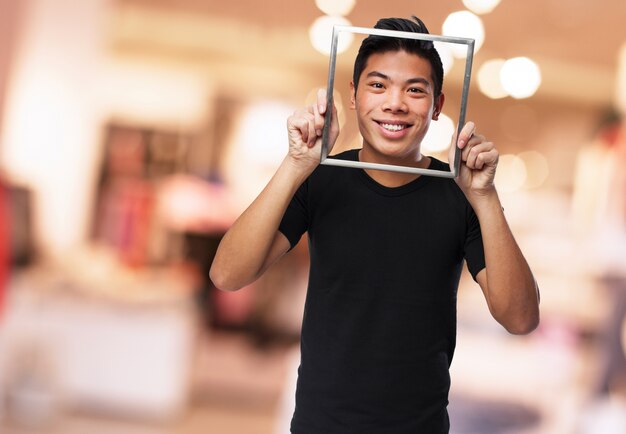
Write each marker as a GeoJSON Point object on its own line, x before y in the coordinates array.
{"type": "Point", "coordinates": [318, 132]}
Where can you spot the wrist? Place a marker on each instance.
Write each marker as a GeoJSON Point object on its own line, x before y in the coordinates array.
{"type": "Point", "coordinates": [299, 169]}
{"type": "Point", "coordinates": [485, 201]}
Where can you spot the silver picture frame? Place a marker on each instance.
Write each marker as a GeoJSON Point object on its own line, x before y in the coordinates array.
{"type": "Point", "coordinates": [326, 149]}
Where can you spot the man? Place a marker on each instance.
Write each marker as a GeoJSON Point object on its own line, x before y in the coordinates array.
{"type": "Point", "coordinates": [386, 249]}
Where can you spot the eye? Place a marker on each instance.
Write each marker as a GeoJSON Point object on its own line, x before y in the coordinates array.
{"type": "Point", "coordinates": [416, 90]}
{"type": "Point", "coordinates": [376, 85]}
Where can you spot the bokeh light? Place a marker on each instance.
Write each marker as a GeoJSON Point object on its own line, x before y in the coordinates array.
{"type": "Point", "coordinates": [537, 169]}
{"type": "Point", "coordinates": [489, 81]}
{"type": "Point", "coordinates": [481, 6]}
{"type": "Point", "coordinates": [336, 7]}
{"type": "Point", "coordinates": [321, 34]}
{"type": "Point", "coordinates": [439, 135]}
{"type": "Point", "coordinates": [511, 173]}
{"type": "Point", "coordinates": [520, 77]}
{"type": "Point", "coordinates": [445, 53]}
{"type": "Point", "coordinates": [466, 25]}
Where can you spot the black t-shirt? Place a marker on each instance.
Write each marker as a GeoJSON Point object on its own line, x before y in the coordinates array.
{"type": "Point", "coordinates": [379, 327]}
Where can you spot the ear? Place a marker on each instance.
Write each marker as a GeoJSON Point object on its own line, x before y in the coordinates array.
{"type": "Point", "coordinates": [438, 106]}
{"type": "Point", "coordinates": [352, 95]}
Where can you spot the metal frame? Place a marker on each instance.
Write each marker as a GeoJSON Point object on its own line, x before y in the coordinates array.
{"type": "Point", "coordinates": [454, 166]}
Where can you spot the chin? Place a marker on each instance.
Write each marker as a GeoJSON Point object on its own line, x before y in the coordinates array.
{"type": "Point", "coordinates": [396, 150]}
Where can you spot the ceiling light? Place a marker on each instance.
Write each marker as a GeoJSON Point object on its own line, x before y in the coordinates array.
{"type": "Point", "coordinates": [481, 6]}
{"type": "Point", "coordinates": [489, 81]}
{"type": "Point", "coordinates": [336, 7]}
{"type": "Point", "coordinates": [520, 77]}
{"type": "Point", "coordinates": [466, 25]}
{"type": "Point", "coordinates": [321, 34]}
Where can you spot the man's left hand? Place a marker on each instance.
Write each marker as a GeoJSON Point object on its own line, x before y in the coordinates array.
{"type": "Point", "coordinates": [479, 159]}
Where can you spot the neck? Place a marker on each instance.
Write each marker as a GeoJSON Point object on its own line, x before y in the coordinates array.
{"type": "Point", "coordinates": [393, 179]}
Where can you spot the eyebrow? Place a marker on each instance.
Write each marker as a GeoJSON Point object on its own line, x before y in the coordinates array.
{"type": "Point", "coordinates": [414, 80]}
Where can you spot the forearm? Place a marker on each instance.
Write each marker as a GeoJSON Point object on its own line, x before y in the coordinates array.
{"type": "Point", "coordinates": [510, 289]}
{"type": "Point", "coordinates": [245, 250]}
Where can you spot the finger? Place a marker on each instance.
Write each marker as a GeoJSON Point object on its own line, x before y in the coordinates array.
{"type": "Point", "coordinates": [488, 158]}
{"type": "Point", "coordinates": [485, 159]}
{"type": "Point", "coordinates": [300, 125]}
{"type": "Point", "coordinates": [474, 140]}
{"type": "Point", "coordinates": [471, 151]}
{"type": "Point", "coordinates": [302, 121]}
{"type": "Point", "coordinates": [481, 154]}
{"type": "Point", "coordinates": [466, 133]}
{"type": "Point", "coordinates": [312, 133]}
{"type": "Point", "coordinates": [321, 101]}
{"type": "Point", "coordinates": [318, 120]}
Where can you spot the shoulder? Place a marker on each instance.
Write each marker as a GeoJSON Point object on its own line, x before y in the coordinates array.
{"type": "Point", "coordinates": [447, 186]}
{"type": "Point", "coordinates": [350, 154]}
{"type": "Point", "coordinates": [437, 164]}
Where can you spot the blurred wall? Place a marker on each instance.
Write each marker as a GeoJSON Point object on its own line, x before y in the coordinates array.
{"type": "Point", "coordinates": [9, 19]}
{"type": "Point", "coordinates": [51, 120]}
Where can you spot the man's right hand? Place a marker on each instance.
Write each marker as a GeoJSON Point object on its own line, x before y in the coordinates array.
{"type": "Point", "coordinates": [305, 128]}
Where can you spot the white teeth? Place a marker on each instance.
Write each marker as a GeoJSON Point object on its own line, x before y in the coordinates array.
{"type": "Point", "coordinates": [393, 127]}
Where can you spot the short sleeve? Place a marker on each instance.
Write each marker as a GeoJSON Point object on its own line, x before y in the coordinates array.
{"type": "Point", "coordinates": [295, 221]}
{"type": "Point", "coordinates": [474, 250]}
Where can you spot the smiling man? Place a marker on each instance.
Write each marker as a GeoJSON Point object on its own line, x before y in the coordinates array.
{"type": "Point", "coordinates": [396, 100]}
{"type": "Point", "coordinates": [386, 249]}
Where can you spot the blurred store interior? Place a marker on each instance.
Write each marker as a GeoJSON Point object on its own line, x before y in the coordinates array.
{"type": "Point", "coordinates": [132, 134]}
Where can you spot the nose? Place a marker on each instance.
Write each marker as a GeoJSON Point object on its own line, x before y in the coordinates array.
{"type": "Point", "coordinates": [394, 101]}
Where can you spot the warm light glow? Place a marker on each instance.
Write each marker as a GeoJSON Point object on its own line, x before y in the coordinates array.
{"type": "Point", "coordinates": [489, 81]}
{"type": "Point", "coordinates": [256, 149]}
{"type": "Point", "coordinates": [620, 94]}
{"type": "Point", "coordinates": [445, 53]}
{"type": "Point", "coordinates": [537, 169]}
{"type": "Point", "coordinates": [52, 123]}
{"type": "Point", "coordinates": [481, 6]}
{"type": "Point", "coordinates": [321, 34]}
{"type": "Point", "coordinates": [262, 136]}
{"type": "Point", "coordinates": [439, 135]}
{"type": "Point", "coordinates": [135, 91]}
{"type": "Point", "coordinates": [466, 25]}
{"type": "Point", "coordinates": [336, 7]}
{"type": "Point", "coordinates": [520, 77]}
{"type": "Point", "coordinates": [511, 173]}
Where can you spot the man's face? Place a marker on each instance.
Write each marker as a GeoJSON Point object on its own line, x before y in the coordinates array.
{"type": "Point", "coordinates": [395, 103]}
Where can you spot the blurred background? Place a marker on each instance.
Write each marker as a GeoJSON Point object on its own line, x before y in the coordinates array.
{"type": "Point", "coordinates": [132, 134]}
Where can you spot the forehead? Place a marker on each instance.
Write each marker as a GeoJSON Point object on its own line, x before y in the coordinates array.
{"type": "Point", "coordinates": [398, 64]}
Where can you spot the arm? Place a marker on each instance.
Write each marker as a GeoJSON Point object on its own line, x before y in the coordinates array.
{"type": "Point", "coordinates": [507, 281]}
{"type": "Point", "coordinates": [253, 243]}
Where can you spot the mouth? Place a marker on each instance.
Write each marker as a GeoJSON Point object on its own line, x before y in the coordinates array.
{"type": "Point", "coordinates": [393, 126]}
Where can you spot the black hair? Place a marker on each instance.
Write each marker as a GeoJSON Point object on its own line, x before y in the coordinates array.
{"type": "Point", "coordinates": [381, 44]}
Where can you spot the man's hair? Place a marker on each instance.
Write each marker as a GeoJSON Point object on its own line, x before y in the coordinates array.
{"type": "Point", "coordinates": [382, 44]}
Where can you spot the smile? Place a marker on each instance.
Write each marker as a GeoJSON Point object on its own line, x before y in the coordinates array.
{"type": "Point", "coordinates": [393, 127]}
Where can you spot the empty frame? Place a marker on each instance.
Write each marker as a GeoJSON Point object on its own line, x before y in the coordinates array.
{"type": "Point", "coordinates": [326, 148]}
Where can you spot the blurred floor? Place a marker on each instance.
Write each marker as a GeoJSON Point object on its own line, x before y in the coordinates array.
{"type": "Point", "coordinates": [500, 385]}
{"type": "Point", "coordinates": [543, 383]}
{"type": "Point", "coordinates": [236, 390]}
